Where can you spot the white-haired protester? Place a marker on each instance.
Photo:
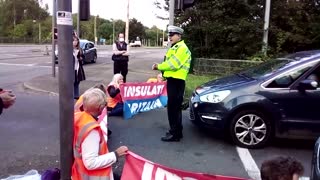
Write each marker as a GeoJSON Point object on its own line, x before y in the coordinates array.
{"type": "Point", "coordinates": [92, 158]}
{"type": "Point", "coordinates": [115, 103]}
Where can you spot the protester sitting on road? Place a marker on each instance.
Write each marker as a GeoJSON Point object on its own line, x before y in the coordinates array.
{"type": "Point", "coordinates": [7, 99]}
{"type": "Point", "coordinates": [281, 168]}
{"type": "Point", "coordinates": [92, 158]}
{"type": "Point", "coordinates": [155, 80]}
{"type": "Point", "coordinates": [103, 118]}
{"type": "Point", "coordinates": [115, 103]}
{"type": "Point", "coordinates": [78, 105]}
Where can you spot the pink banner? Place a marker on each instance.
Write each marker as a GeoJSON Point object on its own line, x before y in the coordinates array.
{"type": "Point", "coordinates": [138, 168]}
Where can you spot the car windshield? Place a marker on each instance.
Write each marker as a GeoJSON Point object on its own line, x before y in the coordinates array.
{"type": "Point", "coordinates": [267, 68]}
{"type": "Point", "coordinates": [82, 44]}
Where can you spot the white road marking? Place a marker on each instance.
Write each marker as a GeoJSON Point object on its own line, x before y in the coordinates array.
{"type": "Point", "coordinates": [26, 65]}
{"type": "Point", "coordinates": [249, 163]}
{"type": "Point", "coordinates": [251, 166]}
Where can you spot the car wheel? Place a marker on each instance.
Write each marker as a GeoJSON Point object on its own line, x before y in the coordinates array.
{"type": "Point", "coordinates": [250, 129]}
{"type": "Point", "coordinates": [94, 59]}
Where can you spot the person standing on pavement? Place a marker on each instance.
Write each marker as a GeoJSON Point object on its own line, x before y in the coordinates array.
{"type": "Point", "coordinates": [78, 68]}
{"type": "Point", "coordinates": [92, 159]}
{"type": "Point", "coordinates": [120, 57]}
{"type": "Point", "coordinates": [175, 69]}
{"type": "Point", "coordinates": [7, 99]}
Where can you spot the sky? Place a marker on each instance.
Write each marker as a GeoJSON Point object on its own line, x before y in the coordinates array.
{"type": "Point", "coordinates": [143, 10]}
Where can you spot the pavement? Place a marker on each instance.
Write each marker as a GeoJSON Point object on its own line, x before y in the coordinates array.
{"type": "Point", "coordinates": [139, 71]}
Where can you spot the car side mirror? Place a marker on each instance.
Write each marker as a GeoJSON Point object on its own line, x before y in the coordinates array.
{"type": "Point", "coordinates": [315, 166]}
{"type": "Point", "coordinates": [308, 84]}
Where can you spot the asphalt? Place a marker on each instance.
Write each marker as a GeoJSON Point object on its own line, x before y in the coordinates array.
{"type": "Point", "coordinates": [139, 71]}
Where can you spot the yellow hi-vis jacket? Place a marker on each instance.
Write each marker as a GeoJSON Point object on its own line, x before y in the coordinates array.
{"type": "Point", "coordinates": [177, 62]}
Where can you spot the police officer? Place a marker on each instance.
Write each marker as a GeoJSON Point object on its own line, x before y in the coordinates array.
{"type": "Point", "coordinates": [120, 57]}
{"type": "Point", "coordinates": [175, 69]}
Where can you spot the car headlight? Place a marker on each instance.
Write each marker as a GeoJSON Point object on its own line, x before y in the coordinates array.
{"type": "Point", "coordinates": [215, 97]}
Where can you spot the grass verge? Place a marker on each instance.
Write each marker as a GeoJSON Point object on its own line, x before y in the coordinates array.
{"type": "Point", "coordinates": [193, 81]}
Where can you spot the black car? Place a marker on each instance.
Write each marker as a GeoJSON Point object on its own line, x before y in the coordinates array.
{"type": "Point", "coordinates": [279, 97]}
{"type": "Point", "coordinates": [89, 51]}
{"type": "Point", "coordinates": [315, 167]}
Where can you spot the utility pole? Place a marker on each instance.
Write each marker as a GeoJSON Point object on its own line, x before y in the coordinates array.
{"type": "Point", "coordinates": [95, 30]}
{"type": "Point", "coordinates": [157, 37]}
{"type": "Point", "coordinates": [113, 31]}
{"type": "Point", "coordinates": [39, 32]}
{"type": "Point", "coordinates": [127, 24]}
{"type": "Point", "coordinates": [54, 25]}
{"type": "Point", "coordinates": [171, 17]}
{"type": "Point", "coordinates": [266, 27]}
{"type": "Point", "coordinates": [66, 77]}
{"type": "Point", "coordinates": [171, 13]}
{"type": "Point", "coordinates": [78, 20]}
{"type": "Point", "coordinates": [162, 38]}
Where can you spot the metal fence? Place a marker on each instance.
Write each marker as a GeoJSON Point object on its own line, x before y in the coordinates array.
{"type": "Point", "coordinates": [204, 66]}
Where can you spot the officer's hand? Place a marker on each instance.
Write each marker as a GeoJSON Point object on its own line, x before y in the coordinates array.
{"type": "Point", "coordinates": [8, 98]}
{"type": "Point", "coordinates": [155, 67]}
{"type": "Point", "coordinates": [122, 150]}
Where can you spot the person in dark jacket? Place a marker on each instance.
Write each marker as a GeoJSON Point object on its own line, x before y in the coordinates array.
{"type": "Point", "coordinates": [7, 99]}
{"type": "Point", "coordinates": [78, 68]}
{"type": "Point", "coordinates": [120, 57]}
{"type": "Point", "coordinates": [114, 99]}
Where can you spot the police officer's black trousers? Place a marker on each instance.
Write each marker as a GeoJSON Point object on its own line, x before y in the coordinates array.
{"type": "Point", "coordinates": [122, 68]}
{"type": "Point", "coordinates": [175, 90]}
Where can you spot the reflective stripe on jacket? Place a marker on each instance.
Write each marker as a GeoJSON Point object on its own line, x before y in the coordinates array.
{"type": "Point", "coordinates": [84, 123]}
{"type": "Point", "coordinates": [112, 102]}
{"type": "Point", "coordinates": [177, 61]}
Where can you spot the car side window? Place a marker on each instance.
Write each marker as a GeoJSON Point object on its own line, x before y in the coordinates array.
{"type": "Point", "coordinates": [286, 79]}
{"type": "Point", "coordinates": [90, 45]}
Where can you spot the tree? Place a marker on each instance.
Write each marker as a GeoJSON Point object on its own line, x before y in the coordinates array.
{"type": "Point", "coordinates": [14, 12]}
{"type": "Point", "coordinates": [136, 29]}
{"type": "Point", "coordinates": [234, 29]}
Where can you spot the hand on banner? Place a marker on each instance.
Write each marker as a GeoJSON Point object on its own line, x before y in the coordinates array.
{"type": "Point", "coordinates": [155, 67]}
{"type": "Point", "coordinates": [122, 150]}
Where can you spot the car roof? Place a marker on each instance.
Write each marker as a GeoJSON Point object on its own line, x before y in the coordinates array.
{"type": "Point", "coordinates": [85, 41]}
{"type": "Point", "coordinates": [303, 55]}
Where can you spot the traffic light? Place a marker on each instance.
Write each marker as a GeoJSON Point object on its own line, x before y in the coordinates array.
{"type": "Point", "coordinates": [84, 10]}
{"type": "Point", "coordinates": [183, 4]}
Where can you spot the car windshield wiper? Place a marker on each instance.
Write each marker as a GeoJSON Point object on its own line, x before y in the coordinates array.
{"type": "Point", "coordinates": [244, 75]}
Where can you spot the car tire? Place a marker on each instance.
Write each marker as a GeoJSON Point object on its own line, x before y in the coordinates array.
{"type": "Point", "coordinates": [94, 60]}
{"type": "Point", "coordinates": [250, 129]}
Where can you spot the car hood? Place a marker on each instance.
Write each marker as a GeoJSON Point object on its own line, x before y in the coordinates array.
{"type": "Point", "coordinates": [228, 82]}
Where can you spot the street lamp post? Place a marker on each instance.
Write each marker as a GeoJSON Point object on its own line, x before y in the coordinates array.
{"type": "Point", "coordinates": [266, 27]}
{"type": "Point", "coordinates": [127, 24]}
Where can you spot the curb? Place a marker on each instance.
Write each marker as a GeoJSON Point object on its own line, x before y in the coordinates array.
{"type": "Point", "coordinates": [27, 86]}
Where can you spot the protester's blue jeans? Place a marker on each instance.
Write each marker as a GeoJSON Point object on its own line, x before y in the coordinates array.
{"type": "Point", "coordinates": [76, 91]}
{"type": "Point", "coordinates": [117, 110]}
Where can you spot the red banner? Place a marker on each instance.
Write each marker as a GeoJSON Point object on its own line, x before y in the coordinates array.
{"type": "Point", "coordinates": [138, 168]}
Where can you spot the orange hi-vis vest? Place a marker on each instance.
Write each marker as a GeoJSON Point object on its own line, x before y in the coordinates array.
{"type": "Point", "coordinates": [84, 123]}
{"type": "Point", "coordinates": [78, 104]}
{"type": "Point", "coordinates": [112, 102]}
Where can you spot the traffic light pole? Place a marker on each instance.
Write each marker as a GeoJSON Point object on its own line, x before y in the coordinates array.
{"type": "Point", "coordinates": [54, 24]}
{"type": "Point", "coordinates": [66, 79]}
